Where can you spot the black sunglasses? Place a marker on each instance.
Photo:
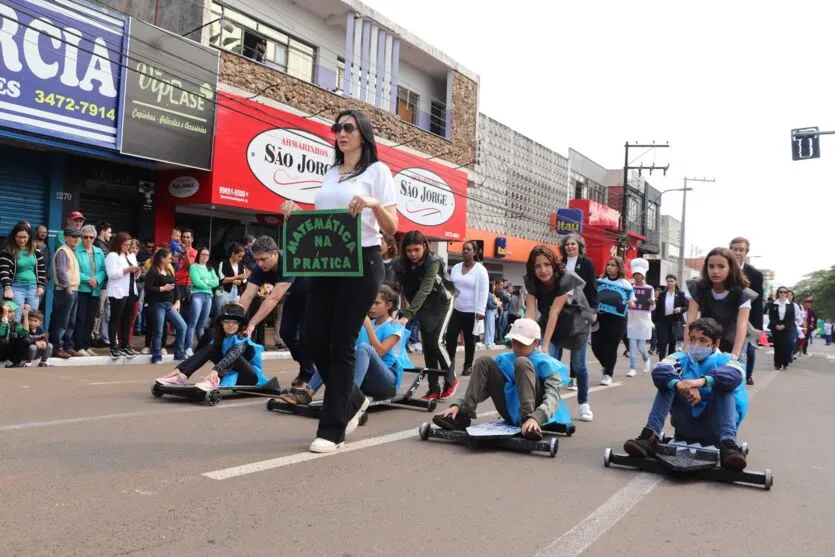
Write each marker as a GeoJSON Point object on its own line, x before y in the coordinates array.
{"type": "Point", "coordinates": [347, 126]}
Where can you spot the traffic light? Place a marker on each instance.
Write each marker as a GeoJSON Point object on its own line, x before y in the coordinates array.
{"type": "Point", "coordinates": [806, 145]}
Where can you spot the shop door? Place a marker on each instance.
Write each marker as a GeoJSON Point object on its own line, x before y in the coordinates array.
{"type": "Point", "coordinates": [24, 184]}
{"type": "Point", "coordinates": [123, 216]}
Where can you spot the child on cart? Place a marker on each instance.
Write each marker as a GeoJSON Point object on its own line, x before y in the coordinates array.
{"type": "Point", "coordinates": [236, 357]}
{"type": "Point", "coordinates": [380, 352]}
{"type": "Point", "coordinates": [703, 392]}
{"type": "Point", "coordinates": [524, 385]}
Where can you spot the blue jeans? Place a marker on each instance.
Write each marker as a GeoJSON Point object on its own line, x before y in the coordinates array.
{"type": "Point", "coordinates": [369, 372]}
{"type": "Point", "coordinates": [199, 309]}
{"type": "Point", "coordinates": [579, 371]}
{"type": "Point", "coordinates": [161, 312]}
{"type": "Point", "coordinates": [716, 423]}
{"type": "Point", "coordinates": [490, 326]}
{"type": "Point", "coordinates": [64, 307]}
{"type": "Point", "coordinates": [414, 327]}
{"type": "Point", "coordinates": [500, 328]}
{"type": "Point", "coordinates": [635, 346]}
{"type": "Point", "coordinates": [24, 294]}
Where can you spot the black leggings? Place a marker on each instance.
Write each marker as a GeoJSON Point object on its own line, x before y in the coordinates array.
{"type": "Point", "coordinates": [461, 322]}
{"type": "Point", "coordinates": [224, 363]}
{"type": "Point", "coordinates": [336, 309]}
{"type": "Point", "coordinates": [782, 347]}
{"type": "Point", "coordinates": [121, 315]}
{"type": "Point", "coordinates": [665, 329]}
{"type": "Point", "coordinates": [605, 342]}
{"type": "Point", "coordinates": [435, 354]}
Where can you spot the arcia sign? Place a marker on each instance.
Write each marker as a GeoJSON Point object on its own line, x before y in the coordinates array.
{"type": "Point", "coordinates": [289, 162]}
{"type": "Point", "coordinates": [423, 197]}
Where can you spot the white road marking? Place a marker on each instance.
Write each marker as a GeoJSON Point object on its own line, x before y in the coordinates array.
{"type": "Point", "coordinates": [85, 419]}
{"type": "Point", "coordinates": [119, 382]}
{"type": "Point", "coordinates": [273, 463]}
{"type": "Point", "coordinates": [590, 529]}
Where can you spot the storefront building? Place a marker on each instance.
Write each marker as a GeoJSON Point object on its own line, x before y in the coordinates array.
{"type": "Point", "coordinates": [264, 155]}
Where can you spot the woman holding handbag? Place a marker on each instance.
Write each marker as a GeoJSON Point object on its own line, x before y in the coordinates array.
{"type": "Point", "coordinates": [472, 286]}
{"type": "Point", "coordinates": [668, 315]}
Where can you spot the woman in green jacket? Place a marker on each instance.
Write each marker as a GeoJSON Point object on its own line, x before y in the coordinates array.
{"type": "Point", "coordinates": [92, 271]}
{"type": "Point", "coordinates": [203, 283]}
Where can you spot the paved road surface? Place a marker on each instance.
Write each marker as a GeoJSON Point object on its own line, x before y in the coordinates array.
{"type": "Point", "coordinates": [92, 465]}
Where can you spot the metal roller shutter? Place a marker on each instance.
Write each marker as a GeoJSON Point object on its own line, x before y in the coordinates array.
{"type": "Point", "coordinates": [24, 183]}
{"type": "Point", "coordinates": [123, 215]}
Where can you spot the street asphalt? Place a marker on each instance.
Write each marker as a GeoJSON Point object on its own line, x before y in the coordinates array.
{"type": "Point", "coordinates": [92, 464]}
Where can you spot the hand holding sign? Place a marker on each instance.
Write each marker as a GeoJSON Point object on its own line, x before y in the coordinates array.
{"type": "Point", "coordinates": [288, 207]}
{"type": "Point", "coordinates": [322, 244]}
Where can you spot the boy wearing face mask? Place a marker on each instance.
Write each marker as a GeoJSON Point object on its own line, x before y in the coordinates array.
{"type": "Point", "coordinates": [703, 392]}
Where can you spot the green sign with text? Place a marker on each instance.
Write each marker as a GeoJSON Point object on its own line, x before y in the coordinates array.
{"type": "Point", "coordinates": [322, 244]}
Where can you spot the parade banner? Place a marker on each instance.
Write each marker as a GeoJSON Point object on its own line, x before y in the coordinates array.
{"type": "Point", "coordinates": [169, 98]}
{"type": "Point", "coordinates": [322, 244]}
{"type": "Point", "coordinates": [60, 70]}
{"type": "Point", "coordinates": [612, 298]}
{"type": "Point", "coordinates": [643, 297]}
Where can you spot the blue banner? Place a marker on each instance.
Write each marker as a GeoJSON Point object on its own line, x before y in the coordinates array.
{"type": "Point", "coordinates": [569, 221]}
{"type": "Point", "coordinates": [612, 298]}
{"type": "Point", "coordinates": [60, 68]}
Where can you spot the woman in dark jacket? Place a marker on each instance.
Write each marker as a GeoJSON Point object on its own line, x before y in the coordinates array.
{"type": "Point", "coordinates": [668, 316]}
{"type": "Point", "coordinates": [427, 295]}
{"type": "Point", "coordinates": [781, 318]}
{"type": "Point", "coordinates": [22, 269]}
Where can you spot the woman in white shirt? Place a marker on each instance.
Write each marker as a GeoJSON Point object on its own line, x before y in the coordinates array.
{"type": "Point", "coordinates": [122, 272]}
{"type": "Point", "coordinates": [781, 319]}
{"type": "Point", "coordinates": [472, 285]}
{"type": "Point", "coordinates": [336, 306]}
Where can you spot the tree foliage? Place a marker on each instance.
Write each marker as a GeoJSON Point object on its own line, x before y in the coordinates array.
{"type": "Point", "coordinates": [820, 286]}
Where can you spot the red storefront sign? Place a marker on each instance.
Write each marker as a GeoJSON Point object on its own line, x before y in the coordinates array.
{"type": "Point", "coordinates": [264, 156]}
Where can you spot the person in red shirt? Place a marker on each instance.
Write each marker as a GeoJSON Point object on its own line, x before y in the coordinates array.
{"type": "Point", "coordinates": [188, 257]}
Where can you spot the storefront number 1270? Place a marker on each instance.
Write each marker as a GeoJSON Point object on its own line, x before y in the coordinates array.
{"type": "Point", "coordinates": [63, 196]}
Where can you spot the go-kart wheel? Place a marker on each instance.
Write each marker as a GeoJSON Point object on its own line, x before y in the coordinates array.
{"type": "Point", "coordinates": [553, 447]}
{"type": "Point", "coordinates": [156, 390]}
{"type": "Point", "coordinates": [433, 404]}
{"type": "Point", "coordinates": [607, 457]}
{"type": "Point", "coordinates": [364, 418]}
{"type": "Point", "coordinates": [423, 431]}
{"type": "Point", "coordinates": [769, 479]}
{"type": "Point", "coordinates": [271, 404]}
{"type": "Point", "coordinates": [213, 397]}
{"type": "Point", "coordinates": [744, 449]}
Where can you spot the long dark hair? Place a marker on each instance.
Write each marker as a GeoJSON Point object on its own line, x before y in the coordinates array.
{"type": "Point", "coordinates": [736, 278]}
{"type": "Point", "coordinates": [159, 255]}
{"type": "Point", "coordinates": [117, 240]}
{"type": "Point", "coordinates": [369, 145]}
{"type": "Point", "coordinates": [548, 253]}
{"type": "Point", "coordinates": [11, 244]}
{"type": "Point", "coordinates": [413, 237]}
{"type": "Point", "coordinates": [618, 264]}
{"type": "Point", "coordinates": [389, 297]}
{"type": "Point", "coordinates": [675, 278]}
{"type": "Point", "coordinates": [392, 251]}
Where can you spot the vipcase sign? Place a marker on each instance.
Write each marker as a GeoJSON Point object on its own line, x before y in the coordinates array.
{"type": "Point", "coordinates": [264, 156]}
{"type": "Point", "coordinates": [170, 89]}
{"type": "Point", "coordinates": [60, 70]}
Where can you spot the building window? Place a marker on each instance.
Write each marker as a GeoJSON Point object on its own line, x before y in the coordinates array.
{"type": "Point", "coordinates": [633, 210]}
{"type": "Point", "coordinates": [407, 102]}
{"type": "Point", "coordinates": [652, 212]}
{"type": "Point", "coordinates": [580, 190]}
{"type": "Point", "coordinates": [243, 35]}
{"type": "Point", "coordinates": [340, 74]}
{"type": "Point", "coordinates": [437, 118]}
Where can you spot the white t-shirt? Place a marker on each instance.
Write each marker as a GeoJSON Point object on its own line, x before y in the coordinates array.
{"type": "Point", "coordinates": [571, 263]}
{"type": "Point", "coordinates": [472, 288]}
{"type": "Point", "coordinates": [375, 182]}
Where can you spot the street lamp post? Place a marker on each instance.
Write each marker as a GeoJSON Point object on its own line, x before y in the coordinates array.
{"type": "Point", "coordinates": [683, 217]}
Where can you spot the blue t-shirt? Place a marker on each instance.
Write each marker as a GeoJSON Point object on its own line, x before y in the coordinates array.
{"type": "Point", "coordinates": [397, 359]}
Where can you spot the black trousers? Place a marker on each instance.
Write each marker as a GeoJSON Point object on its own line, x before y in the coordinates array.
{"type": "Point", "coordinates": [435, 354]}
{"type": "Point", "coordinates": [224, 363]}
{"type": "Point", "coordinates": [666, 335]}
{"type": "Point", "coordinates": [336, 309]}
{"type": "Point", "coordinates": [121, 315]}
{"type": "Point", "coordinates": [782, 347]}
{"type": "Point", "coordinates": [290, 330]}
{"type": "Point", "coordinates": [85, 316]}
{"type": "Point", "coordinates": [605, 342]}
{"type": "Point", "coordinates": [459, 322]}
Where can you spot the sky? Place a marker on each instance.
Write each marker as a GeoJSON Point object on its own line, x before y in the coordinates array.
{"type": "Point", "coordinates": [723, 82]}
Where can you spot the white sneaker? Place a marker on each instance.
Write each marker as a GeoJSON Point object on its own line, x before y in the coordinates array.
{"type": "Point", "coordinates": [630, 373]}
{"type": "Point", "coordinates": [189, 352]}
{"type": "Point", "coordinates": [354, 422]}
{"type": "Point", "coordinates": [572, 385]}
{"type": "Point", "coordinates": [145, 350]}
{"type": "Point", "coordinates": [586, 415]}
{"type": "Point", "coordinates": [163, 352]}
{"type": "Point", "coordinates": [82, 352]}
{"type": "Point", "coordinates": [606, 380]}
{"type": "Point", "coordinates": [647, 365]}
{"type": "Point", "coordinates": [320, 445]}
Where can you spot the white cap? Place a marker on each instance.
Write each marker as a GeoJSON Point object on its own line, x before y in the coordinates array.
{"type": "Point", "coordinates": [639, 265]}
{"type": "Point", "coordinates": [526, 331]}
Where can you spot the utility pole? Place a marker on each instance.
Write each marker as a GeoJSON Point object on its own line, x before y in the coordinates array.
{"type": "Point", "coordinates": [683, 217]}
{"type": "Point", "coordinates": [623, 242]}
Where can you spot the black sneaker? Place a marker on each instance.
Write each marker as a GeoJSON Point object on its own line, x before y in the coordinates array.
{"type": "Point", "coordinates": [643, 445]}
{"type": "Point", "coordinates": [467, 371]}
{"type": "Point", "coordinates": [115, 353]}
{"type": "Point", "coordinates": [460, 423]}
{"type": "Point", "coordinates": [128, 353]}
{"type": "Point", "coordinates": [749, 381]}
{"type": "Point", "coordinates": [730, 456]}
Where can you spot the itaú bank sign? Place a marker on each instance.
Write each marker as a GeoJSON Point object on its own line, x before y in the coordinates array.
{"type": "Point", "coordinates": [61, 70]}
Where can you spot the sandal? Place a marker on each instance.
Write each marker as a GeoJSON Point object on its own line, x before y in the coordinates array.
{"type": "Point", "coordinates": [297, 396]}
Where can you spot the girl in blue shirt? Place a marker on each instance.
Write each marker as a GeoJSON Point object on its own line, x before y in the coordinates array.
{"type": "Point", "coordinates": [380, 354]}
